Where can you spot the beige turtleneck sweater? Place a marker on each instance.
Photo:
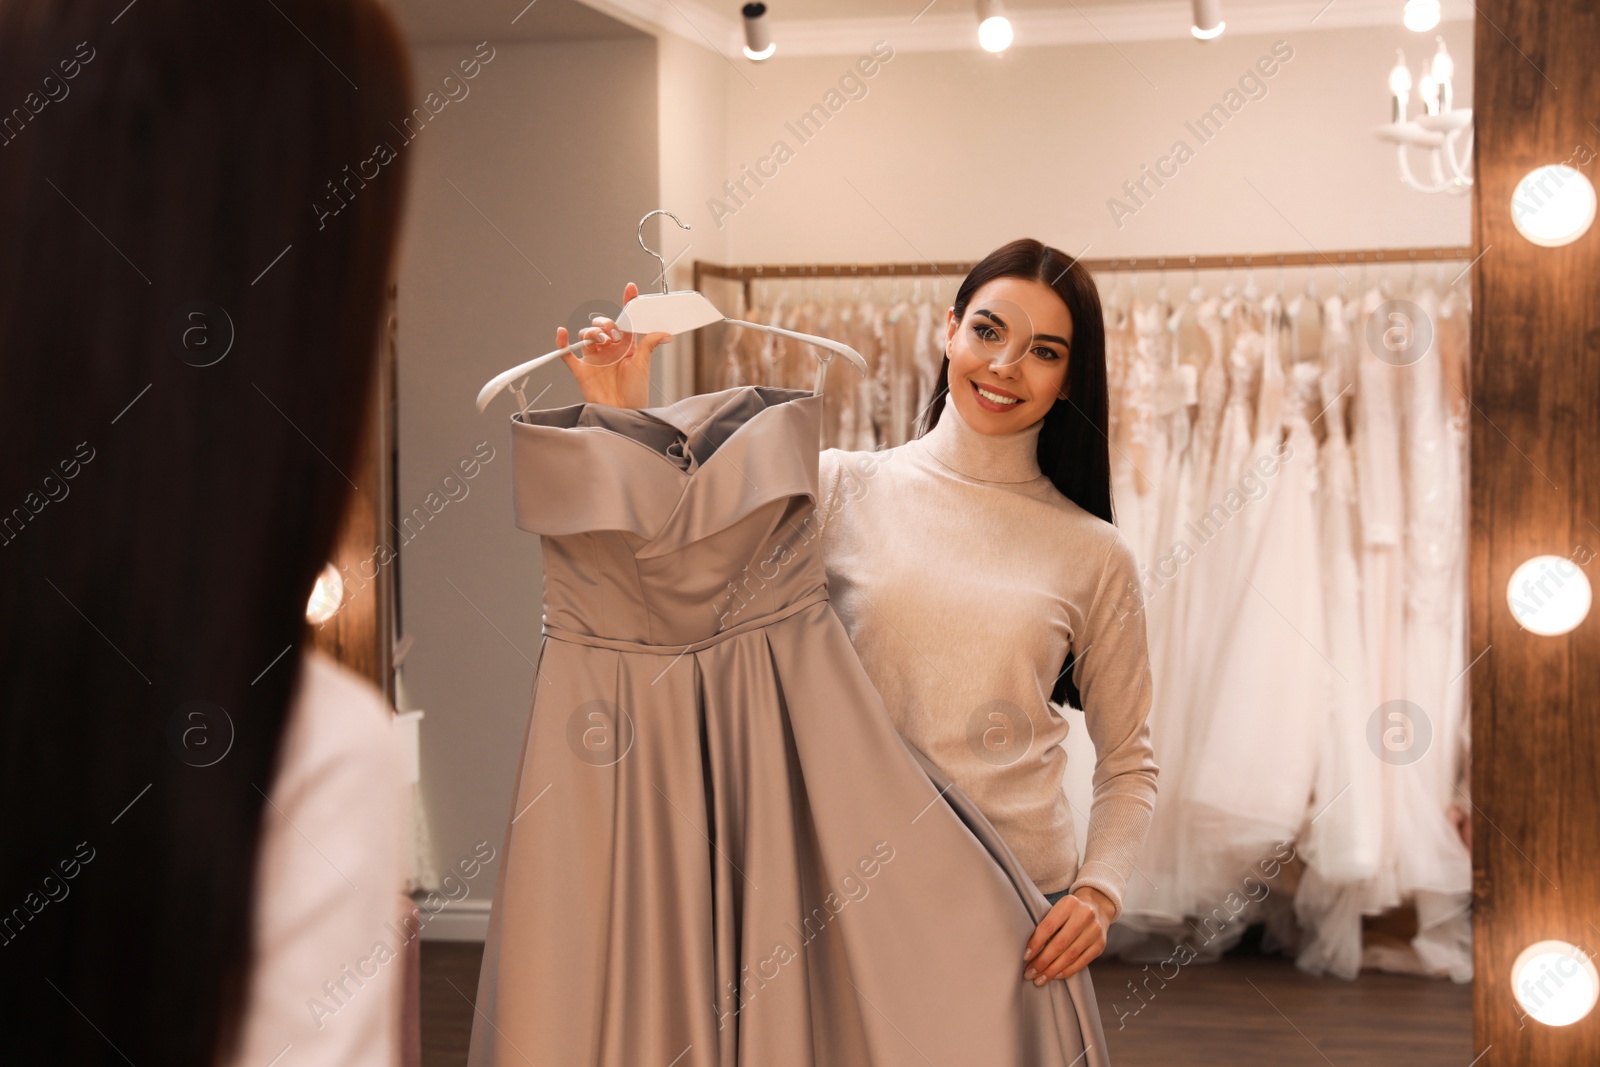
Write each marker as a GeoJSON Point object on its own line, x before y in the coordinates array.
{"type": "Point", "coordinates": [964, 577]}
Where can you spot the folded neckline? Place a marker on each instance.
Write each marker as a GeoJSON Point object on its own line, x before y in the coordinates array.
{"type": "Point", "coordinates": [687, 425]}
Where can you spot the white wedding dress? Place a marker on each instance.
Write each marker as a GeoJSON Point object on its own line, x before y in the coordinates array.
{"type": "Point", "coordinates": [1306, 618]}
{"type": "Point", "coordinates": [1257, 758]}
{"type": "Point", "coordinates": [1156, 899]}
{"type": "Point", "coordinates": [1343, 842]}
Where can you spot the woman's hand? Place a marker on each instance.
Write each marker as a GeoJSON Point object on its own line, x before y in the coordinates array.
{"type": "Point", "coordinates": [1071, 934]}
{"type": "Point", "coordinates": [614, 368]}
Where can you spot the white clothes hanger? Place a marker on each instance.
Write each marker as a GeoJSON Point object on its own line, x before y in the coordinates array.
{"type": "Point", "coordinates": [667, 312]}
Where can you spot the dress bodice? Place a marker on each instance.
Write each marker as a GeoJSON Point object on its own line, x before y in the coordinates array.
{"type": "Point", "coordinates": [1299, 408]}
{"type": "Point", "coordinates": [1213, 379]}
{"type": "Point", "coordinates": [669, 524]}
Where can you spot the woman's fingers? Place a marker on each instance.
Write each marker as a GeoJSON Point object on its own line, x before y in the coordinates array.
{"type": "Point", "coordinates": [1041, 935]}
{"type": "Point", "coordinates": [1073, 921]}
{"type": "Point", "coordinates": [571, 359]}
{"type": "Point", "coordinates": [1084, 950]}
{"type": "Point", "coordinates": [601, 331]}
{"type": "Point", "coordinates": [649, 341]}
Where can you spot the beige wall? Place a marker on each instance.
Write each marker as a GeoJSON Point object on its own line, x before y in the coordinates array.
{"type": "Point", "coordinates": [479, 293]}
{"type": "Point", "coordinates": [948, 155]}
{"type": "Point", "coordinates": [693, 116]}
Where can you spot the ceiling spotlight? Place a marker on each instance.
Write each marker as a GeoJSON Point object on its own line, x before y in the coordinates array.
{"type": "Point", "coordinates": [1207, 19]}
{"type": "Point", "coordinates": [994, 29]}
{"type": "Point", "coordinates": [758, 43]}
{"type": "Point", "coordinates": [1421, 15]}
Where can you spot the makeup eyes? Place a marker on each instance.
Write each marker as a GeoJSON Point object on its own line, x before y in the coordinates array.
{"type": "Point", "coordinates": [989, 335]}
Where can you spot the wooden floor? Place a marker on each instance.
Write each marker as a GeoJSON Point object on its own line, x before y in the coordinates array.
{"type": "Point", "coordinates": [1248, 1008]}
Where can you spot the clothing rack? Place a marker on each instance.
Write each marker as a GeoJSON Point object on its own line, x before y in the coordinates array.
{"type": "Point", "coordinates": [747, 273]}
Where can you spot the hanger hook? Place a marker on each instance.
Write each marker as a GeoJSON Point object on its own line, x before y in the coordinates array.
{"type": "Point", "coordinates": [653, 252]}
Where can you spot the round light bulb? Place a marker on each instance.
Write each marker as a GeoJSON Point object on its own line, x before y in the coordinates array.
{"type": "Point", "coordinates": [1548, 595]}
{"type": "Point", "coordinates": [1553, 205]}
{"type": "Point", "coordinates": [326, 596]}
{"type": "Point", "coordinates": [994, 33]}
{"type": "Point", "coordinates": [1555, 982]}
{"type": "Point", "coordinates": [1206, 35]}
{"type": "Point", "coordinates": [765, 53]}
{"type": "Point", "coordinates": [1421, 15]}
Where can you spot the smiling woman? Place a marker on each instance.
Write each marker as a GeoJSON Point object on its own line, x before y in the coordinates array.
{"type": "Point", "coordinates": [1005, 496]}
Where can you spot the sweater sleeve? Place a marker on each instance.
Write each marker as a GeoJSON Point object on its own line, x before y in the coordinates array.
{"type": "Point", "coordinates": [1112, 672]}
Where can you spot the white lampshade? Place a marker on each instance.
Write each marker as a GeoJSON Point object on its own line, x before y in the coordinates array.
{"type": "Point", "coordinates": [1421, 15]}
{"type": "Point", "coordinates": [1555, 983]}
{"type": "Point", "coordinates": [1553, 205]}
{"type": "Point", "coordinates": [1548, 595]}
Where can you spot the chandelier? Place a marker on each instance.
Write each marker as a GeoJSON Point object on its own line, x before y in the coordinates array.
{"type": "Point", "coordinates": [1439, 127]}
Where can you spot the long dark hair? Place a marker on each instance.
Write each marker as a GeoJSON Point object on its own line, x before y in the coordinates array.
{"type": "Point", "coordinates": [187, 345]}
{"type": "Point", "coordinates": [1074, 450]}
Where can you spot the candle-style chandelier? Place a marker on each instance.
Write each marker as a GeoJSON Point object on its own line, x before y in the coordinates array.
{"type": "Point", "coordinates": [1442, 128]}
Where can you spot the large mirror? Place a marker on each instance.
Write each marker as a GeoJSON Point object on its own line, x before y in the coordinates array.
{"type": "Point", "coordinates": [1273, 203]}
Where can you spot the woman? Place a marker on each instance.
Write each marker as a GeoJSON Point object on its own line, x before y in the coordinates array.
{"type": "Point", "coordinates": [202, 825]}
{"type": "Point", "coordinates": [978, 572]}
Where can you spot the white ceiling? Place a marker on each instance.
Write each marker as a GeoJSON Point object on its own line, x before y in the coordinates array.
{"type": "Point", "coordinates": [821, 27]}
{"type": "Point", "coordinates": [448, 21]}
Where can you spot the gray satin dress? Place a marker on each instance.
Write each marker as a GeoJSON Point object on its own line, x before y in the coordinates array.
{"type": "Point", "coordinates": [721, 852]}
